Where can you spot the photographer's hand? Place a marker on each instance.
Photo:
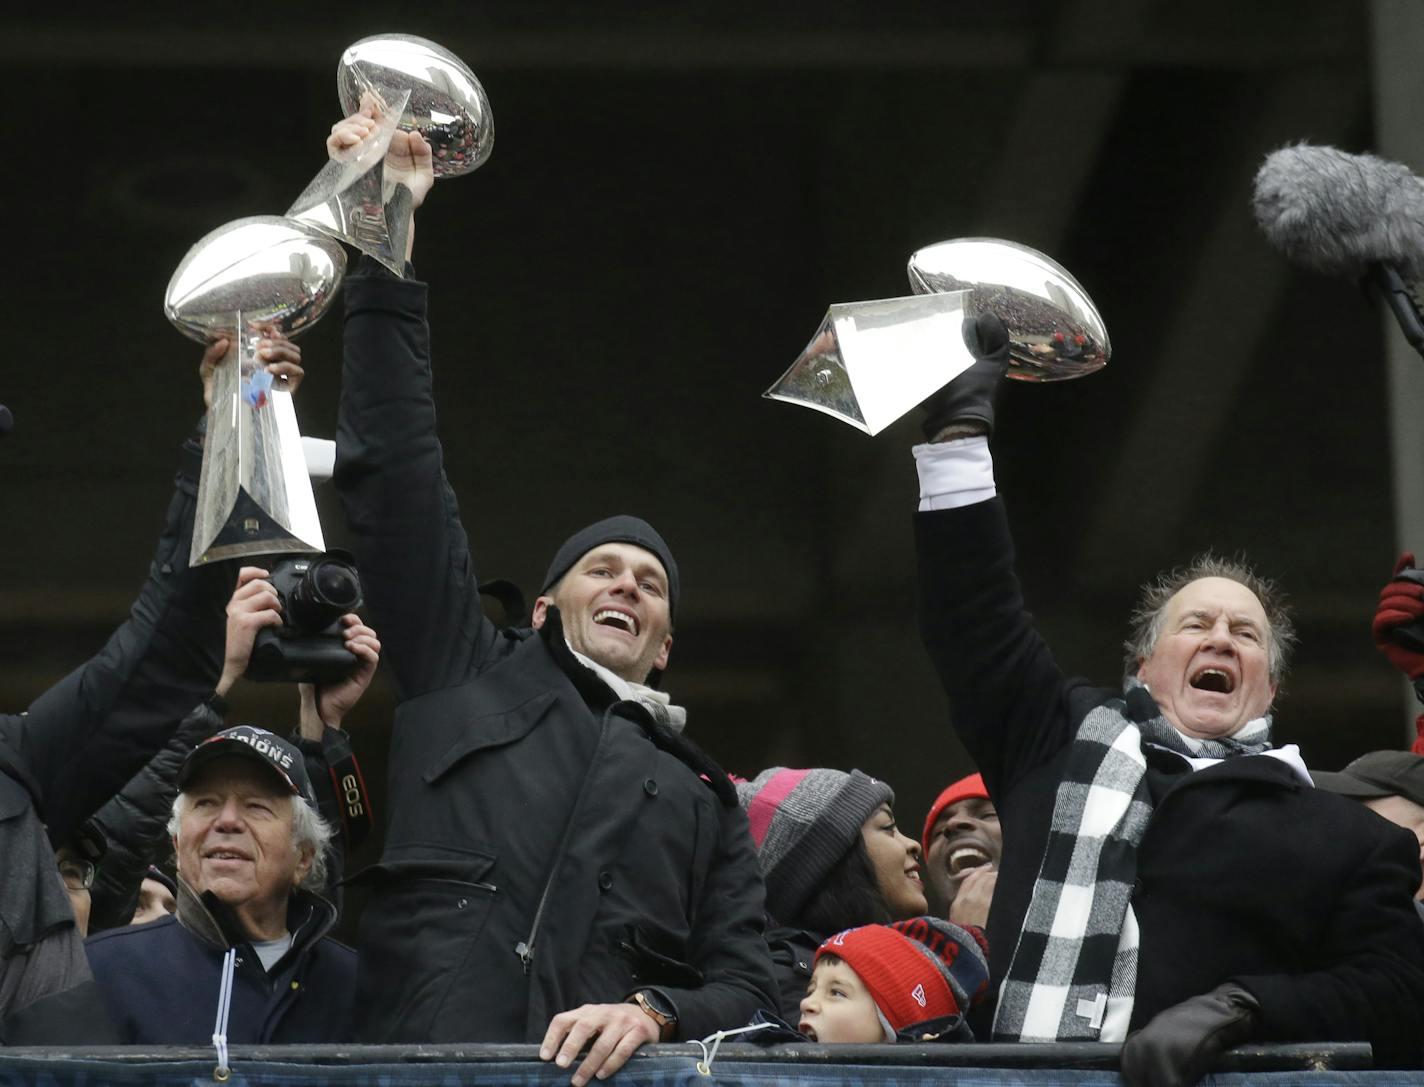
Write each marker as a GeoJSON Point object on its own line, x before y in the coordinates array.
{"type": "Point", "coordinates": [327, 706]}
{"type": "Point", "coordinates": [254, 605]}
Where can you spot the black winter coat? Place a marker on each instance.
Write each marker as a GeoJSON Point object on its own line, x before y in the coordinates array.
{"type": "Point", "coordinates": [160, 981]}
{"type": "Point", "coordinates": [1244, 872]}
{"type": "Point", "coordinates": [82, 739]}
{"type": "Point", "coordinates": [548, 846]}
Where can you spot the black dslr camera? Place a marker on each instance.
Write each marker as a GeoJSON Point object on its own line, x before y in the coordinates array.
{"type": "Point", "coordinates": [316, 591]}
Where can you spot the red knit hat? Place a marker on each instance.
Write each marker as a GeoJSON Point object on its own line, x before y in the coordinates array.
{"type": "Point", "coordinates": [968, 788]}
{"type": "Point", "coordinates": [914, 970]}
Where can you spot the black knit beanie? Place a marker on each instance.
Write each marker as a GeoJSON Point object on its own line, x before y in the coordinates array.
{"type": "Point", "coordinates": [620, 529]}
{"type": "Point", "coordinates": [803, 822]}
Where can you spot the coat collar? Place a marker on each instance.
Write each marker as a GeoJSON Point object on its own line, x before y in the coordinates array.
{"type": "Point", "coordinates": [594, 691]}
{"type": "Point", "coordinates": [600, 698]}
{"type": "Point", "coordinates": [1259, 769]}
{"type": "Point", "coordinates": [309, 918]}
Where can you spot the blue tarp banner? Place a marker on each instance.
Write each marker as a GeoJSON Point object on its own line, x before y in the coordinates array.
{"type": "Point", "coordinates": [32, 1071]}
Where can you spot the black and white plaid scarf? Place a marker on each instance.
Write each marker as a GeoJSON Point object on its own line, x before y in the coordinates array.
{"type": "Point", "coordinates": [1074, 969]}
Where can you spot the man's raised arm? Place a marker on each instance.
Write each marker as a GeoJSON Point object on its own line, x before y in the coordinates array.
{"type": "Point", "coordinates": [412, 552]}
{"type": "Point", "coordinates": [81, 740]}
{"type": "Point", "coordinates": [1004, 685]}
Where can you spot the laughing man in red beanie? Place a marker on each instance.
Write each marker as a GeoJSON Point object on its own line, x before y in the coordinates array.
{"type": "Point", "coordinates": [961, 844]}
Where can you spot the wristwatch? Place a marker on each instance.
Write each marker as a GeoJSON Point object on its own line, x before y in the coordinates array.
{"type": "Point", "coordinates": [658, 1008]}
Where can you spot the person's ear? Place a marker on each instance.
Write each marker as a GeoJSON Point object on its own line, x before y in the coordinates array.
{"type": "Point", "coordinates": [304, 863]}
{"type": "Point", "coordinates": [662, 658]}
{"type": "Point", "coordinates": [542, 604]}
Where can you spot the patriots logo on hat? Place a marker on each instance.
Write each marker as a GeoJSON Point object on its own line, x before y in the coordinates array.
{"type": "Point", "coordinates": [839, 938]}
{"type": "Point", "coordinates": [918, 992]}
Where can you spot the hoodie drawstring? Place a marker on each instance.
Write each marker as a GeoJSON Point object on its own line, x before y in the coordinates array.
{"type": "Point", "coordinates": [222, 1071]}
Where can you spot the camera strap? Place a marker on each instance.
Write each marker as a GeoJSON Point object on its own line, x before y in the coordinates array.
{"type": "Point", "coordinates": [352, 800]}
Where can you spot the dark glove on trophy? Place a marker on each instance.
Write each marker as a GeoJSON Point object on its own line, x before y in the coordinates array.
{"type": "Point", "coordinates": [1181, 1044]}
{"type": "Point", "coordinates": [967, 403]}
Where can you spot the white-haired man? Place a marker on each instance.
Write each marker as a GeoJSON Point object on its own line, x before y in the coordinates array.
{"type": "Point", "coordinates": [250, 851]}
{"type": "Point", "coordinates": [1168, 877]}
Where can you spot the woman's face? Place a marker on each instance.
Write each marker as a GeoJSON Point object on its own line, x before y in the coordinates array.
{"type": "Point", "coordinates": [896, 861]}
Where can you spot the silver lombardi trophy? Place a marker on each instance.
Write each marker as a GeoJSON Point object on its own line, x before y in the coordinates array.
{"type": "Point", "coordinates": [419, 86]}
{"type": "Point", "coordinates": [871, 362]}
{"type": "Point", "coordinates": [242, 280]}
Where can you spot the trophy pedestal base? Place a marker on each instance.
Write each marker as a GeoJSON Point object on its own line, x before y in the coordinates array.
{"type": "Point", "coordinates": [251, 530]}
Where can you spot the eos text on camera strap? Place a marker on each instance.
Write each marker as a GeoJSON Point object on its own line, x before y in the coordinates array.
{"type": "Point", "coordinates": [352, 800]}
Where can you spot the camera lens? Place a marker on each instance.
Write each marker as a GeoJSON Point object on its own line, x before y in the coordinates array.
{"type": "Point", "coordinates": [336, 583]}
{"type": "Point", "coordinates": [328, 590]}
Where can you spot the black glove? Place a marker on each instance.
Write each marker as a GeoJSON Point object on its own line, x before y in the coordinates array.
{"type": "Point", "coordinates": [1181, 1044]}
{"type": "Point", "coordinates": [969, 398]}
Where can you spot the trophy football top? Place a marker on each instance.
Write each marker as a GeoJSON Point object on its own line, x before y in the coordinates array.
{"type": "Point", "coordinates": [271, 270]}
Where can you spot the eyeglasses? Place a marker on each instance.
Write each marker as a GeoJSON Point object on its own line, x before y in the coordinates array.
{"type": "Point", "coordinates": [78, 874]}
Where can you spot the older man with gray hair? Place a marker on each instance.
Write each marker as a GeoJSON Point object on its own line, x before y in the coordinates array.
{"type": "Point", "coordinates": [1170, 879]}
{"type": "Point", "coordinates": [246, 956]}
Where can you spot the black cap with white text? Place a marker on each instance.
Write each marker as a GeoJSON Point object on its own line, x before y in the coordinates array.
{"type": "Point", "coordinates": [258, 745]}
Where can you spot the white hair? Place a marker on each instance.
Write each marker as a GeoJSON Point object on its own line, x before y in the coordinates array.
{"type": "Point", "coordinates": [309, 830]}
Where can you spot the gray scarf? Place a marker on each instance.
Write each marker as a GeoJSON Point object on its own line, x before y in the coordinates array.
{"type": "Point", "coordinates": [657, 703]}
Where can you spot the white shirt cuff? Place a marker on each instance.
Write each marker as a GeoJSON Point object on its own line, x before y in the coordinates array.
{"type": "Point", "coordinates": [954, 474]}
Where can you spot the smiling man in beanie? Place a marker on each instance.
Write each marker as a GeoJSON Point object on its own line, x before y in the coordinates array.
{"type": "Point", "coordinates": [561, 865]}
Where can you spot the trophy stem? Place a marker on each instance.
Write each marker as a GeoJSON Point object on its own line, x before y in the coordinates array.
{"type": "Point", "coordinates": [350, 199]}
{"type": "Point", "coordinates": [254, 495]}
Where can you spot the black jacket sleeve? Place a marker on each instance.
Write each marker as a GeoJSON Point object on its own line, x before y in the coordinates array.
{"type": "Point", "coordinates": [84, 738]}
{"type": "Point", "coordinates": [412, 552]}
{"type": "Point", "coordinates": [1010, 701]}
{"type": "Point", "coordinates": [134, 824]}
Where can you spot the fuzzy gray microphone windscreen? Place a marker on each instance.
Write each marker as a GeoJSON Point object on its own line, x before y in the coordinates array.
{"type": "Point", "coordinates": [1339, 213]}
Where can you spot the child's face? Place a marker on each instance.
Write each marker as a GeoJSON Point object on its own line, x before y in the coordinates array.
{"type": "Point", "coordinates": [837, 1007]}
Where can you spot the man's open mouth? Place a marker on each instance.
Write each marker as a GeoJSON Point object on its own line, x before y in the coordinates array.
{"type": "Point", "coordinates": [1215, 680]}
{"type": "Point", "coordinates": [965, 858]}
{"type": "Point", "coordinates": [808, 1030]}
{"type": "Point", "coordinates": [610, 617]}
